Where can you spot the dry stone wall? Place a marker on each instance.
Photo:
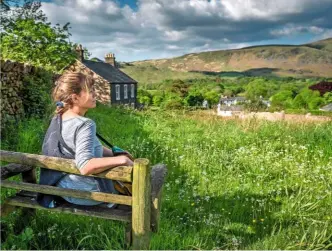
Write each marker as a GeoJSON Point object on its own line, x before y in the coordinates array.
{"type": "Point", "coordinates": [12, 74]}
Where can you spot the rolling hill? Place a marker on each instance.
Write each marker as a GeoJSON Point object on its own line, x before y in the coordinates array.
{"type": "Point", "coordinates": [307, 60]}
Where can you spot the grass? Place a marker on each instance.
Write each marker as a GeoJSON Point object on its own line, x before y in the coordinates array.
{"type": "Point", "coordinates": [148, 74]}
{"type": "Point", "coordinates": [231, 184]}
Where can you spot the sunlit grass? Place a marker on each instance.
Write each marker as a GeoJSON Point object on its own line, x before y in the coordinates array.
{"type": "Point", "coordinates": [231, 184]}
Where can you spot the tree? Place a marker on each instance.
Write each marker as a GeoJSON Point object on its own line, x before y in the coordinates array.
{"type": "Point", "coordinates": [13, 10]}
{"type": "Point", "coordinates": [212, 97]}
{"type": "Point", "coordinates": [179, 87]}
{"type": "Point", "coordinates": [157, 99]}
{"type": "Point", "coordinates": [193, 98]}
{"type": "Point", "coordinates": [256, 88]}
{"type": "Point", "coordinates": [27, 37]}
{"type": "Point", "coordinates": [282, 99]}
{"type": "Point", "coordinates": [308, 99]}
{"type": "Point", "coordinates": [328, 97]}
{"type": "Point", "coordinates": [144, 97]}
{"type": "Point", "coordinates": [315, 103]}
{"type": "Point", "coordinates": [228, 93]}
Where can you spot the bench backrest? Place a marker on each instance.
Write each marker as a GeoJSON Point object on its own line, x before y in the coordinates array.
{"type": "Point", "coordinates": [139, 175]}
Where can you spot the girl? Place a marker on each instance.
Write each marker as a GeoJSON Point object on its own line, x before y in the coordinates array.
{"type": "Point", "coordinates": [74, 95]}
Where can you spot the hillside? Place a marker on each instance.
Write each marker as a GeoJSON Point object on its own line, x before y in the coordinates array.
{"type": "Point", "coordinates": [307, 60]}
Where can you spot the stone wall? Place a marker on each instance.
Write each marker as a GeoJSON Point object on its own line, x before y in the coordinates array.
{"type": "Point", "coordinates": [11, 85]}
{"type": "Point", "coordinates": [102, 87]}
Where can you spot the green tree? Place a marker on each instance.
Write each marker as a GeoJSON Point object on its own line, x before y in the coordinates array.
{"type": "Point", "coordinates": [315, 103]}
{"type": "Point", "coordinates": [193, 98]}
{"type": "Point", "coordinates": [212, 97]}
{"type": "Point", "coordinates": [328, 97]}
{"type": "Point", "coordinates": [144, 97]}
{"type": "Point", "coordinates": [228, 92]}
{"type": "Point", "coordinates": [308, 99]}
{"type": "Point", "coordinates": [282, 99]}
{"type": "Point", "coordinates": [157, 99]}
{"type": "Point", "coordinates": [179, 87]}
{"type": "Point", "coordinates": [256, 88]}
{"type": "Point", "coordinates": [26, 36]}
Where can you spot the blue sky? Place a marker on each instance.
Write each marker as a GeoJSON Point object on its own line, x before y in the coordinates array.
{"type": "Point", "coordinates": [150, 29]}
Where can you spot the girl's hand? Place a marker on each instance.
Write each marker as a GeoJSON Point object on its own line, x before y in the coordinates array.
{"type": "Point", "coordinates": [129, 156]}
{"type": "Point", "coordinates": [126, 161]}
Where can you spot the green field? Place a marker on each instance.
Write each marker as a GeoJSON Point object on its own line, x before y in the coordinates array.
{"type": "Point", "coordinates": [231, 184]}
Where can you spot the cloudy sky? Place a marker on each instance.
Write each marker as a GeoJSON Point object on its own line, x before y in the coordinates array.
{"type": "Point", "coordinates": [146, 29]}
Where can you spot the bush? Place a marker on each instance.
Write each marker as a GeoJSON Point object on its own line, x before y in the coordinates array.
{"type": "Point", "coordinates": [308, 99]}
{"type": "Point", "coordinates": [282, 99]}
{"type": "Point", "coordinates": [194, 98]}
{"type": "Point", "coordinates": [36, 94]}
{"type": "Point", "coordinates": [173, 104]}
{"type": "Point", "coordinates": [157, 100]}
{"type": "Point", "coordinates": [144, 97]}
{"type": "Point", "coordinates": [212, 97]}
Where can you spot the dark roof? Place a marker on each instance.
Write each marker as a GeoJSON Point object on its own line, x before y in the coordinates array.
{"type": "Point", "coordinates": [232, 99]}
{"type": "Point", "coordinates": [109, 72]}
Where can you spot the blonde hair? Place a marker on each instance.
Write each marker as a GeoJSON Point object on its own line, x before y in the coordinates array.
{"type": "Point", "coordinates": [68, 84]}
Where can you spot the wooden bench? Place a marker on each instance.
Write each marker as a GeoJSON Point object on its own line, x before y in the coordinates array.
{"type": "Point", "coordinates": [141, 210]}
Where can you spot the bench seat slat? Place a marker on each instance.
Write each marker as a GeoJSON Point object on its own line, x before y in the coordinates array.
{"type": "Point", "coordinates": [92, 211]}
{"type": "Point", "coordinates": [98, 196]}
{"type": "Point", "coordinates": [121, 173]}
{"type": "Point", "coordinates": [13, 169]}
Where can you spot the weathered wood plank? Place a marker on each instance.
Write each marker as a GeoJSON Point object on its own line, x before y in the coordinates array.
{"type": "Point", "coordinates": [13, 169]}
{"type": "Point", "coordinates": [141, 216]}
{"type": "Point", "coordinates": [122, 173]}
{"type": "Point", "coordinates": [91, 211]}
{"type": "Point", "coordinates": [98, 196]}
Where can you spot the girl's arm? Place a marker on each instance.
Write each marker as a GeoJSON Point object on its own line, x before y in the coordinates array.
{"type": "Point", "coordinates": [98, 165]}
{"type": "Point", "coordinates": [84, 158]}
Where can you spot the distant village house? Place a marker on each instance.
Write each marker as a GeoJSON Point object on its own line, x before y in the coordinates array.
{"type": "Point", "coordinates": [111, 84]}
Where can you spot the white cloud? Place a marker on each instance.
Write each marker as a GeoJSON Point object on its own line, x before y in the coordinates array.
{"type": "Point", "coordinates": [292, 30]}
{"type": "Point", "coordinates": [175, 27]}
{"type": "Point", "coordinates": [175, 35]}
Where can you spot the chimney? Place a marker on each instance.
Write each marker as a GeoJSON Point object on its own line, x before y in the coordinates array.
{"type": "Point", "coordinates": [110, 59]}
{"type": "Point", "coordinates": [80, 52]}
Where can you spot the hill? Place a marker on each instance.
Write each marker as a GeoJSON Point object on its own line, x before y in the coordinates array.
{"type": "Point", "coordinates": [307, 60]}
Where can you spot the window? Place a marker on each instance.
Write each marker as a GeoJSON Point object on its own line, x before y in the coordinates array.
{"type": "Point", "coordinates": [125, 91]}
{"type": "Point", "coordinates": [132, 92]}
{"type": "Point", "coordinates": [117, 92]}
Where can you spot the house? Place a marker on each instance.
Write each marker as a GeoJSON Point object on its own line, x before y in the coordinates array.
{"type": "Point", "coordinates": [327, 108]}
{"type": "Point", "coordinates": [267, 103]}
{"type": "Point", "coordinates": [240, 100]}
{"type": "Point", "coordinates": [229, 110]}
{"type": "Point", "coordinates": [231, 101]}
{"type": "Point", "coordinates": [111, 84]}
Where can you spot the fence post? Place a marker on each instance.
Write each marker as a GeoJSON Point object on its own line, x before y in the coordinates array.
{"type": "Point", "coordinates": [141, 207]}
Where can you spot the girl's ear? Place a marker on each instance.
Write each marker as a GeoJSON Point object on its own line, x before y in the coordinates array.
{"type": "Point", "coordinates": [74, 98]}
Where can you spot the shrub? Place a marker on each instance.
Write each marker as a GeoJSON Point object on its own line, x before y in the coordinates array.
{"type": "Point", "coordinates": [36, 94]}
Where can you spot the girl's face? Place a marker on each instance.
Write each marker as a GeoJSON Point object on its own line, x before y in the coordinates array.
{"type": "Point", "coordinates": [86, 99]}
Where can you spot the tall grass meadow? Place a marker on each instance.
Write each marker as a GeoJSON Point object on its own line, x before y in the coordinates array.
{"type": "Point", "coordinates": [231, 184]}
